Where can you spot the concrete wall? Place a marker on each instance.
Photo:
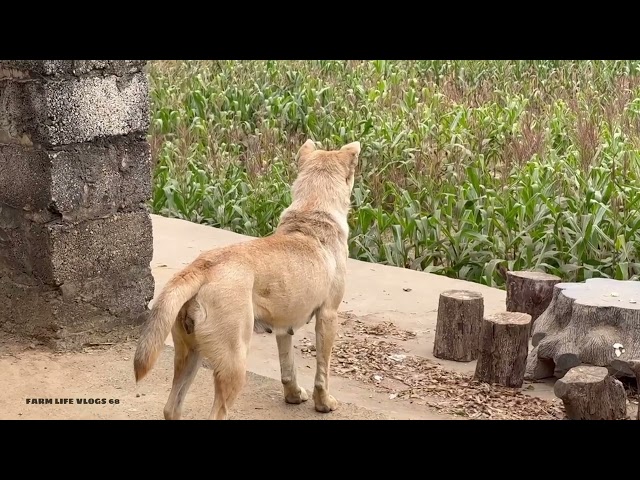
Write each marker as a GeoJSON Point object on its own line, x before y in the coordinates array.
{"type": "Point", "coordinates": [75, 173]}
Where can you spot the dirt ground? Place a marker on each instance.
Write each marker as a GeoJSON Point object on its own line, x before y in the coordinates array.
{"type": "Point", "coordinates": [106, 373]}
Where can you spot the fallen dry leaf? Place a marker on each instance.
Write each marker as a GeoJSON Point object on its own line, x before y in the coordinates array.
{"type": "Point", "coordinates": [370, 360]}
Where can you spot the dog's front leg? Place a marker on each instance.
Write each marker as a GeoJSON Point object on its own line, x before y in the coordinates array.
{"type": "Point", "coordinates": [293, 393]}
{"type": "Point", "coordinates": [326, 325]}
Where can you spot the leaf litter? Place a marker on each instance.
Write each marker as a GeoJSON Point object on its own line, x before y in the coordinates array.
{"type": "Point", "coordinates": [382, 363]}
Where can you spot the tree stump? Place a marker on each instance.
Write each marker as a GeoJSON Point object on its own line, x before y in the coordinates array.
{"type": "Point", "coordinates": [629, 368]}
{"type": "Point", "coordinates": [458, 325]}
{"type": "Point", "coordinates": [589, 323]}
{"type": "Point", "coordinates": [530, 292]}
{"type": "Point", "coordinates": [590, 393]}
{"type": "Point", "coordinates": [504, 343]}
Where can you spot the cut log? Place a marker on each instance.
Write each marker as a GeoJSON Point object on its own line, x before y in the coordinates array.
{"type": "Point", "coordinates": [530, 292]}
{"type": "Point", "coordinates": [458, 325]}
{"type": "Point", "coordinates": [504, 343]}
{"type": "Point", "coordinates": [591, 393]}
{"type": "Point", "coordinates": [628, 368]}
{"type": "Point", "coordinates": [590, 323]}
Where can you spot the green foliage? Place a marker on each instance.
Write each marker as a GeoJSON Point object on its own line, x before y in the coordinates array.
{"type": "Point", "coordinates": [467, 167]}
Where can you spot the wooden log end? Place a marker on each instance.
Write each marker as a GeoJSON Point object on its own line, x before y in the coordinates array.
{"type": "Point", "coordinates": [509, 318]}
{"type": "Point", "coordinates": [462, 295]}
{"type": "Point", "coordinates": [534, 276]}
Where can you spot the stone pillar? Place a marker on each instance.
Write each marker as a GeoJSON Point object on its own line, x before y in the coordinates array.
{"type": "Point", "coordinates": [75, 175]}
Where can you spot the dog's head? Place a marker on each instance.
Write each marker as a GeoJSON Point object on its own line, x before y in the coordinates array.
{"type": "Point", "coordinates": [336, 164]}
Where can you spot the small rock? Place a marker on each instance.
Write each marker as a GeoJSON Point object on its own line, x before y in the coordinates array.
{"type": "Point", "coordinates": [137, 395]}
{"type": "Point", "coordinates": [632, 301]}
{"type": "Point", "coordinates": [397, 358]}
{"type": "Point", "coordinates": [392, 396]}
{"type": "Point", "coordinates": [614, 294]}
{"type": "Point", "coordinates": [406, 289]}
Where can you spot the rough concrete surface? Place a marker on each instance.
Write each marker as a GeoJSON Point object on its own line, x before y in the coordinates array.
{"type": "Point", "coordinates": [57, 252]}
{"type": "Point", "coordinates": [79, 182]}
{"type": "Point", "coordinates": [75, 175]}
{"type": "Point", "coordinates": [54, 113]}
{"type": "Point", "coordinates": [43, 313]}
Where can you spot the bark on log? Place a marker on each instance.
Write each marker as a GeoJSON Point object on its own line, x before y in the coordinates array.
{"type": "Point", "coordinates": [458, 325]}
{"type": "Point", "coordinates": [504, 343]}
{"type": "Point", "coordinates": [630, 368]}
{"type": "Point", "coordinates": [584, 324]}
{"type": "Point", "coordinates": [530, 292]}
{"type": "Point", "coordinates": [590, 393]}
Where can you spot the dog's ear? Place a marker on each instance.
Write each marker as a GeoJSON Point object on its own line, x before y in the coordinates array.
{"type": "Point", "coordinates": [307, 148]}
{"type": "Point", "coordinates": [353, 149]}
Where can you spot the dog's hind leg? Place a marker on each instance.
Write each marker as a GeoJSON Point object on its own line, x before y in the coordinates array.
{"type": "Point", "coordinates": [293, 393]}
{"type": "Point", "coordinates": [326, 326]}
{"type": "Point", "coordinates": [226, 345]}
{"type": "Point", "coordinates": [186, 365]}
{"type": "Point", "coordinates": [229, 378]}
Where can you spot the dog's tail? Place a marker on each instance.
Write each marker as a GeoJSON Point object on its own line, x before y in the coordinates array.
{"type": "Point", "coordinates": [178, 291]}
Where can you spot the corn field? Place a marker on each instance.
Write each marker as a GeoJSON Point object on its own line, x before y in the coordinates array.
{"type": "Point", "coordinates": [467, 168]}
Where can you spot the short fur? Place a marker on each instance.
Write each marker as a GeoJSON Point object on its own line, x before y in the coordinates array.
{"type": "Point", "coordinates": [276, 283]}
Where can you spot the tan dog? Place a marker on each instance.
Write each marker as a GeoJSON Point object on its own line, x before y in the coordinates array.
{"type": "Point", "coordinates": [276, 283]}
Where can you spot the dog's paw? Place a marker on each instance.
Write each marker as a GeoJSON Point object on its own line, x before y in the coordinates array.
{"type": "Point", "coordinates": [296, 397]}
{"type": "Point", "coordinates": [326, 404]}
